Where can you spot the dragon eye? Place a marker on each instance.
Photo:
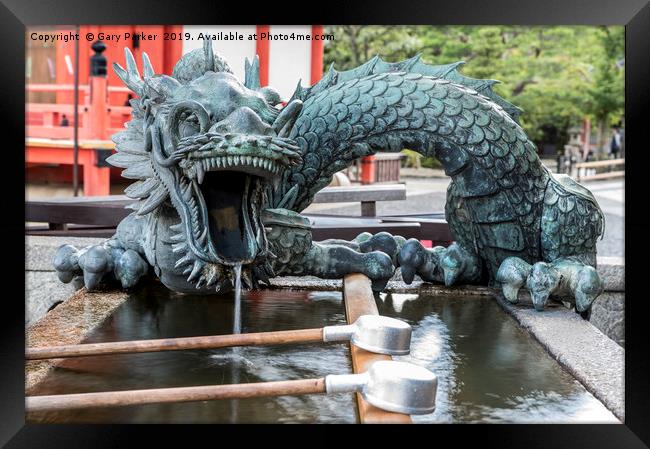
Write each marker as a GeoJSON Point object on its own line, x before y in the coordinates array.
{"type": "Point", "coordinates": [189, 126]}
{"type": "Point", "coordinates": [186, 119]}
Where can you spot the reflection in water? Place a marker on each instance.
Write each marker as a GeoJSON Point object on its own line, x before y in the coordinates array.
{"type": "Point", "coordinates": [488, 369]}
{"type": "Point", "coordinates": [155, 312]}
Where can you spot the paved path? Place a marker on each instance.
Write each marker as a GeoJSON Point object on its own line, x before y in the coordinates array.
{"type": "Point", "coordinates": [611, 197]}
{"type": "Point", "coordinates": [428, 195]}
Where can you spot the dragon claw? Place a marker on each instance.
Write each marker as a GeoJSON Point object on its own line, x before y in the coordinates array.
{"type": "Point", "coordinates": [542, 281]}
{"type": "Point", "coordinates": [129, 268]}
{"type": "Point", "coordinates": [563, 278]}
{"type": "Point", "coordinates": [512, 275]}
{"type": "Point", "coordinates": [448, 265]}
{"type": "Point", "coordinates": [413, 259]}
{"type": "Point", "coordinates": [94, 263]}
{"type": "Point", "coordinates": [382, 241]}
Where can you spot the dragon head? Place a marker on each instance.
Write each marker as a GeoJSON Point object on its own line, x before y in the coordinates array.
{"type": "Point", "coordinates": [207, 145]}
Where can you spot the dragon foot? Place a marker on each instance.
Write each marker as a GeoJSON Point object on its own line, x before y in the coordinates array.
{"type": "Point", "coordinates": [95, 263]}
{"type": "Point", "coordinates": [335, 261]}
{"type": "Point", "coordinates": [564, 278]}
{"type": "Point", "coordinates": [450, 265]}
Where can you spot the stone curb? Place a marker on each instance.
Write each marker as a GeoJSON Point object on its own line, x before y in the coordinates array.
{"type": "Point", "coordinates": [612, 272]}
{"type": "Point", "coordinates": [584, 351]}
{"type": "Point", "coordinates": [40, 250]}
{"type": "Point", "coordinates": [68, 324]}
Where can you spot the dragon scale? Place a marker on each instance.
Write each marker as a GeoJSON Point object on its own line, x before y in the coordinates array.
{"type": "Point", "coordinates": [224, 171]}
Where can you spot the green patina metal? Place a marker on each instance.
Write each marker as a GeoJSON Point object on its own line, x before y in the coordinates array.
{"type": "Point", "coordinates": [222, 174]}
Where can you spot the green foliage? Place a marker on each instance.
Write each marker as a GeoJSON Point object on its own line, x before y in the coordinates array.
{"type": "Point", "coordinates": [414, 159]}
{"type": "Point", "coordinates": [431, 162]}
{"type": "Point", "coordinates": [557, 75]}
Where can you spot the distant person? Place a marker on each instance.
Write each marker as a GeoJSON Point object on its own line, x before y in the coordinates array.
{"type": "Point", "coordinates": [615, 144]}
{"type": "Point", "coordinates": [64, 120]}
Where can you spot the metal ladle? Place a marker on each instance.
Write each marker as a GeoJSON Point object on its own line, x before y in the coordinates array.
{"type": "Point", "coordinates": [373, 333]}
{"type": "Point", "coordinates": [393, 386]}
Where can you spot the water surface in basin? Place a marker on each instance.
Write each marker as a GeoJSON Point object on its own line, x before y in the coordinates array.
{"type": "Point", "coordinates": [155, 312]}
{"type": "Point", "coordinates": [489, 370]}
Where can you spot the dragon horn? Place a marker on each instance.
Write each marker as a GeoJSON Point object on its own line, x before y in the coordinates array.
{"type": "Point", "coordinates": [130, 77]}
{"type": "Point", "coordinates": [252, 73]}
{"type": "Point", "coordinates": [147, 66]}
{"type": "Point", "coordinates": [286, 119]}
{"type": "Point", "coordinates": [208, 54]}
{"type": "Point", "coordinates": [131, 66]}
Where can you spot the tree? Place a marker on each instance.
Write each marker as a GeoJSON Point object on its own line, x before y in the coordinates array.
{"type": "Point", "coordinates": [557, 75]}
{"type": "Point", "coordinates": [607, 92]}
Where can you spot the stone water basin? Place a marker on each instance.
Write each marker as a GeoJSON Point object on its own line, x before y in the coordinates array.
{"type": "Point", "coordinates": [488, 368]}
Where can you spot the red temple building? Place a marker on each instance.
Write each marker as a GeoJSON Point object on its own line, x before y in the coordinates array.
{"type": "Point", "coordinates": [103, 100]}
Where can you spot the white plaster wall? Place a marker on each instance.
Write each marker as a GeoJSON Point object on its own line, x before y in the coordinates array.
{"type": "Point", "coordinates": [290, 60]}
{"type": "Point", "coordinates": [235, 52]}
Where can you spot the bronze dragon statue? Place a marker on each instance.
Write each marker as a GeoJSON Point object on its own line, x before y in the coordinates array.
{"type": "Point", "coordinates": [223, 171]}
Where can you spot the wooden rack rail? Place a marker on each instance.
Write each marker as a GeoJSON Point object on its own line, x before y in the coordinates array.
{"type": "Point", "coordinates": [359, 300]}
{"type": "Point", "coordinates": [576, 168]}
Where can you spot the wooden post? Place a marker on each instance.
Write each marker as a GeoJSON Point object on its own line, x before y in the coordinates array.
{"type": "Point", "coordinates": [262, 48]}
{"type": "Point", "coordinates": [368, 209]}
{"type": "Point", "coordinates": [97, 179]}
{"type": "Point", "coordinates": [586, 136]}
{"type": "Point", "coordinates": [359, 300]}
{"type": "Point", "coordinates": [317, 49]}
{"type": "Point", "coordinates": [367, 170]}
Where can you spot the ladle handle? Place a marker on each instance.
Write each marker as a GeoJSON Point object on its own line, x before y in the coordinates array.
{"type": "Point", "coordinates": [176, 344]}
{"type": "Point", "coordinates": [173, 395]}
{"type": "Point", "coordinates": [338, 332]}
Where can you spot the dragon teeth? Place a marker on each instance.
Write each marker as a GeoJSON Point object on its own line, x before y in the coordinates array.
{"type": "Point", "coordinates": [184, 260]}
{"type": "Point", "coordinates": [178, 238]}
{"type": "Point", "coordinates": [230, 160]}
{"type": "Point", "coordinates": [179, 247]}
{"type": "Point", "coordinates": [203, 236]}
{"type": "Point", "coordinates": [212, 278]}
{"type": "Point", "coordinates": [200, 173]}
{"type": "Point", "coordinates": [195, 270]}
{"type": "Point", "coordinates": [187, 194]}
{"type": "Point", "coordinates": [249, 160]}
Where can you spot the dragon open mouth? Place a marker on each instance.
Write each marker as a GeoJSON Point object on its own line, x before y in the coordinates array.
{"type": "Point", "coordinates": [232, 201]}
{"type": "Point", "coordinates": [222, 186]}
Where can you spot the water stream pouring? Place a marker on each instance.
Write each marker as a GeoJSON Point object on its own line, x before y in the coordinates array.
{"type": "Point", "coordinates": [236, 326]}
{"type": "Point", "coordinates": [393, 386]}
{"type": "Point", "coordinates": [373, 333]}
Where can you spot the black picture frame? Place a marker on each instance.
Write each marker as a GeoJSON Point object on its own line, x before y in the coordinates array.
{"type": "Point", "coordinates": [634, 14]}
